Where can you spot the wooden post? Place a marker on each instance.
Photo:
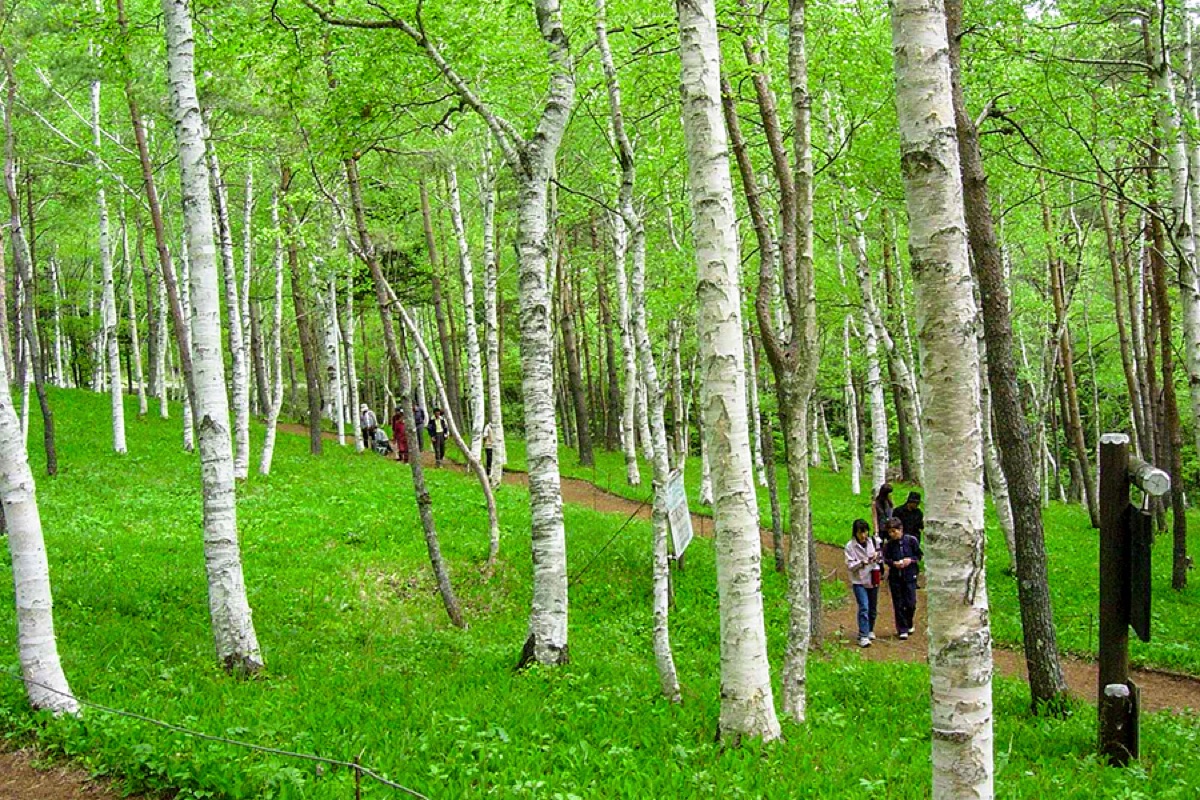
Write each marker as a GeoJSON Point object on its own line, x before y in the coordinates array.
{"type": "Point", "coordinates": [1113, 691]}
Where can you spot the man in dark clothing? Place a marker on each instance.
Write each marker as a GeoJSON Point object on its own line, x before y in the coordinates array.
{"type": "Point", "coordinates": [902, 554]}
{"type": "Point", "coordinates": [911, 516]}
{"type": "Point", "coordinates": [438, 430]}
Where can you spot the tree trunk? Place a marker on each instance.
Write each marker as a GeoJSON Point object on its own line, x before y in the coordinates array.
{"type": "Point", "coordinates": [240, 379]}
{"type": "Point", "coordinates": [28, 332]}
{"type": "Point", "coordinates": [276, 397]}
{"type": "Point", "coordinates": [327, 302]}
{"type": "Point", "coordinates": [304, 322]}
{"type": "Point", "coordinates": [36, 643]}
{"type": "Point", "coordinates": [960, 657]}
{"type": "Point", "coordinates": [1128, 364]}
{"type": "Point", "coordinates": [613, 412]}
{"type": "Point", "coordinates": [346, 327]}
{"type": "Point", "coordinates": [449, 363]}
{"type": "Point", "coordinates": [474, 361]}
{"type": "Point", "coordinates": [1170, 408]}
{"type": "Point", "coordinates": [1074, 425]}
{"type": "Point", "coordinates": [629, 401]}
{"type": "Point", "coordinates": [237, 645]}
{"type": "Point", "coordinates": [1047, 684]}
{"type": "Point", "coordinates": [571, 355]}
{"type": "Point", "coordinates": [185, 345]}
{"type": "Point", "coordinates": [747, 704]}
{"type": "Point", "coordinates": [135, 346]}
{"type": "Point", "coordinates": [491, 335]}
{"type": "Point", "coordinates": [61, 377]}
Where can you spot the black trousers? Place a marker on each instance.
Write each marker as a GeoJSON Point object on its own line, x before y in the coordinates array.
{"type": "Point", "coordinates": [904, 603]}
{"type": "Point", "coordinates": [439, 446]}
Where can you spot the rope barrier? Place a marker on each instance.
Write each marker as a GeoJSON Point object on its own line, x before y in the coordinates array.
{"type": "Point", "coordinates": [571, 580]}
{"type": "Point", "coordinates": [357, 768]}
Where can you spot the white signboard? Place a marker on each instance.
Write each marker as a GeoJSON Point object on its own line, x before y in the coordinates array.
{"type": "Point", "coordinates": [677, 512]}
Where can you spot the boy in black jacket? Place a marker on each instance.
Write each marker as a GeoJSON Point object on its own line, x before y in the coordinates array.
{"type": "Point", "coordinates": [902, 554]}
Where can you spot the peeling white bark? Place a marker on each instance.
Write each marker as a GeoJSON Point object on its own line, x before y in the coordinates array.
{"type": "Point", "coordinates": [268, 452]}
{"type": "Point", "coordinates": [755, 421]}
{"type": "Point", "coordinates": [184, 281]}
{"type": "Point", "coordinates": [960, 657]}
{"type": "Point", "coordinates": [328, 304]}
{"type": "Point", "coordinates": [110, 346]}
{"type": "Point", "coordinates": [135, 345]}
{"type": "Point", "coordinates": [491, 337]}
{"type": "Point", "coordinates": [747, 704]}
{"type": "Point", "coordinates": [629, 406]}
{"type": "Point", "coordinates": [351, 371]}
{"type": "Point", "coordinates": [467, 272]}
{"type": "Point", "coordinates": [233, 631]}
{"type": "Point", "coordinates": [36, 643]}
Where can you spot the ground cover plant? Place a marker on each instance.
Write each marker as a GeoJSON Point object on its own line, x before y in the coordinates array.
{"type": "Point", "coordinates": [1072, 548]}
{"type": "Point", "coordinates": [362, 660]}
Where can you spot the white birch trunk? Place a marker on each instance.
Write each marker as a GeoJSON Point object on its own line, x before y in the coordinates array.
{"type": "Point", "coordinates": [239, 377]}
{"type": "Point", "coordinates": [247, 278]}
{"type": "Point", "coordinates": [879, 425]}
{"type": "Point", "coordinates": [908, 387]}
{"type": "Point", "coordinates": [347, 328]}
{"type": "Point", "coordinates": [643, 421]}
{"type": "Point", "coordinates": [960, 657]}
{"type": "Point", "coordinates": [1167, 113]}
{"type": "Point", "coordinates": [474, 360]}
{"type": "Point", "coordinates": [111, 352]}
{"type": "Point", "coordinates": [663, 658]}
{"type": "Point", "coordinates": [185, 299]}
{"type": "Point", "coordinates": [706, 488]}
{"type": "Point", "coordinates": [60, 377]}
{"type": "Point", "coordinates": [629, 404]}
{"type": "Point", "coordinates": [333, 361]}
{"type": "Point", "coordinates": [23, 354]}
{"type": "Point", "coordinates": [747, 704]}
{"type": "Point", "coordinates": [233, 630]}
{"type": "Point", "coordinates": [268, 452]}
{"type": "Point", "coordinates": [135, 344]}
{"type": "Point", "coordinates": [833, 459]}
{"type": "Point", "coordinates": [36, 643]}
{"type": "Point", "coordinates": [491, 338]}
{"type": "Point", "coordinates": [814, 434]}
{"type": "Point", "coordinates": [755, 421]}
{"type": "Point", "coordinates": [162, 347]}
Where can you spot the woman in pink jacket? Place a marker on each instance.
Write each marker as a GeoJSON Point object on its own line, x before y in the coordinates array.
{"type": "Point", "coordinates": [863, 562]}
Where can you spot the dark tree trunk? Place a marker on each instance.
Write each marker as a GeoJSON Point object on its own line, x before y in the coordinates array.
{"type": "Point", "coordinates": [449, 365]}
{"type": "Point", "coordinates": [1174, 437]}
{"type": "Point", "coordinates": [1046, 681]}
{"type": "Point", "coordinates": [583, 435]}
{"type": "Point", "coordinates": [612, 414]}
{"type": "Point", "coordinates": [304, 325]}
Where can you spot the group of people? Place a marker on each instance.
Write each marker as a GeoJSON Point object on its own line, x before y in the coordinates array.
{"type": "Point", "coordinates": [895, 548]}
{"type": "Point", "coordinates": [437, 426]}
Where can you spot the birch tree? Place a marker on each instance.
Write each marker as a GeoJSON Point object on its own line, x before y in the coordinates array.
{"type": "Point", "coordinates": [268, 451]}
{"type": "Point", "coordinates": [467, 271]}
{"type": "Point", "coordinates": [491, 297]}
{"type": "Point", "coordinates": [233, 631]}
{"type": "Point", "coordinates": [747, 703]}
{"type": "Point", "coordinates": [960, 657]}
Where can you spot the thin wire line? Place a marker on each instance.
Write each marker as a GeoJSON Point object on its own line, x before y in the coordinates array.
{"type": "Point", "coordinates": [210, 737]}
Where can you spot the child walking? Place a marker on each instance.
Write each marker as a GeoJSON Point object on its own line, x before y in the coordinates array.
{"type": "Point", "coordinates": [863, 563]}
{"type": "Point", "coordinates": [902, 554]}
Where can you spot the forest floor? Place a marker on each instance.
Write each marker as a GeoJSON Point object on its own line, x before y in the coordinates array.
{"type": "Point", "coordinates": [1160, 690]}
{"type": "Point", "coordinates": [23, 778]}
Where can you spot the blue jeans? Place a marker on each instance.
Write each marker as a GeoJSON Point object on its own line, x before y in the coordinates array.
{"type": "Point", "coordinates": [868, 606]}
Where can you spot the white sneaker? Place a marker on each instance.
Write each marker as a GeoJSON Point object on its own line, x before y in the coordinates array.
{"type": "Point", "coordinates": [863, 641]}
{"type": "Point", "coordinates": [871, 636]}
{"type": "Point", "coordinates": [904, 635]}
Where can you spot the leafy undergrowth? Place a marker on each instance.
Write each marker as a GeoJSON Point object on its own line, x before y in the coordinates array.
{"type": "Point", "coordinates": [1072, 549]}
{"type": "Point", "coordinates": [361, 658]}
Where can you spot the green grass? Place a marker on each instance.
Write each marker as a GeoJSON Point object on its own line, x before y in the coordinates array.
{"type": "Point", "coordinates": [361, 658]}
{"type": "Point", "coordinates": [1072, 549]}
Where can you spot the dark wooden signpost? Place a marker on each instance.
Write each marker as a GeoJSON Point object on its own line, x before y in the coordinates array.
{"type": "Point", "coordinates": [1126, 534]}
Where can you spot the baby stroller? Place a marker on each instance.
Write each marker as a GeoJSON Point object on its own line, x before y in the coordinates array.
{"type": "Point", "coordinates": [380, 443]}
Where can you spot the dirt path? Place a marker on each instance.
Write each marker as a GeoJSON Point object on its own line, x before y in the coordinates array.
{"type": "Point", "coordinates": [20, 779]}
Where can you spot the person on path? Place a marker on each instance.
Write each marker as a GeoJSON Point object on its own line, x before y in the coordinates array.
{"type": "Point", "coordinates": [863, 562]}
{"type": "Point", "coordinates": [368, 423]}
{"type": "Point", "coordinates": [911, 516]}
{"type": "Point", "coordinates": [902, 554]}
{"type": "Point", "coordinates": [488, 446]}
{"type": "Point", "coordinates": [419, 421]}
{"type": "Point", "coordinates": [400, 435]}
{"type": "Point", "coordinates": [881, 510]}
{"type": "Point", "coordinates": [438, 430]}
